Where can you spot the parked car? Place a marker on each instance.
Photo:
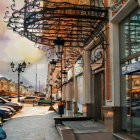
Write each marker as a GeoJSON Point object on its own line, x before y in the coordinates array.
{"type": "Point", "coordinates": [4, 102]}
{"type": "Point", "coordinates": [5, 113]}
{"type": "Point", "coordinates": [13, 96]}
{"type": "Point", "coordinates": [29, 99]}
{"type": "Point", "coordinates": [10, 108]}
{"type": "Point", "coordinates": [43, 100]}
{"type": "Point", "coordinates": [7, 98]}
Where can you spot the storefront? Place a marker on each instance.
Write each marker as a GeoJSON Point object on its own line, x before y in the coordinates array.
{"type": "Point", "coordinates": [98, 82]}
{"type": "Point", "coordinates": [129, 31]}
{"type": "Point", "coordinates": [124, 48]}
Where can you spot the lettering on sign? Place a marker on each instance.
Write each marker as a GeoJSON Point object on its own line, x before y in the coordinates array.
{"type": "Point", "coordinates": [134, 67]}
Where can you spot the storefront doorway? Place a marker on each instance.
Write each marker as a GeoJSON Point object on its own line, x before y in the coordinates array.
{"type": "Point", "coordinates": [99, 95]}
{"type": "Point", "coordinates": [130, 78]}
{"type": "Point", "coordinates": [132, 101]}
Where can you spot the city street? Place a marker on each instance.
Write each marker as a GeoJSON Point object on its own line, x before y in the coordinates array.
{"type": "Point", "coordinates": [32, 123]}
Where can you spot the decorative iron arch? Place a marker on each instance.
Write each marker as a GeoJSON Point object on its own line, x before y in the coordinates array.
{"type": "Point", "coordinates": [43, 23]}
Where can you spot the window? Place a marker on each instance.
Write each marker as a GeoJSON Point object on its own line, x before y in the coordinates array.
{"type": "Point", "coordinates": [130, 35]}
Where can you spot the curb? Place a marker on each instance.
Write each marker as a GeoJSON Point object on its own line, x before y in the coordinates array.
{"type": "Point", "coordinates": [66, 133]}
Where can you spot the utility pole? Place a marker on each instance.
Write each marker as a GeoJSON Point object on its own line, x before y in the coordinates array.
{"type": "Point", "coordinates": [36, 79]}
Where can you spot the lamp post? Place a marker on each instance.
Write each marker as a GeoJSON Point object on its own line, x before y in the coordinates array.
{"type": "Point", "coordinates": [52, 66]}
{"type": "Point", "coordinates": [64, 76]}
{"type": "Point", "coordinates": [19, 69]}
{"type": "Point", "coordinates": [59, 51]}
{"type": "Point", "coordinates": [51, 85]}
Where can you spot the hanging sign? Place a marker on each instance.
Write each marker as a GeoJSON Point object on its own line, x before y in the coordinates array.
{"type": "Point", "coordinates": [70, 74]}
{"type": "Point", "coordinates": [128, 69]}
{"type": "Point", "coordinates": [78, 68]}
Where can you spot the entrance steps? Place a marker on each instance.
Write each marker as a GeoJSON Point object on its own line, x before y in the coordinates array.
{"type": "Point", "coordinates": [68, 133]}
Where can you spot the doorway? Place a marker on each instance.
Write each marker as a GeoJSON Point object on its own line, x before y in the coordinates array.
{"type": "Point", "coordinates": [99, 95]}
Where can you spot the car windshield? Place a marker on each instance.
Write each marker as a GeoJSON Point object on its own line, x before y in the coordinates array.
{"type": "Point", "coordinates": [29, 97]}
{"type": "Point", "coordinates": [42, 98]}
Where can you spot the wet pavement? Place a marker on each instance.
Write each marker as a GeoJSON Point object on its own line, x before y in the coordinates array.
{"type": "Point", "coordinates": [32, 123]}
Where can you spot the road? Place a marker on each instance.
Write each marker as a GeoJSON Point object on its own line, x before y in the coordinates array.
{"type": "Point", "coordinates": [32, 123]}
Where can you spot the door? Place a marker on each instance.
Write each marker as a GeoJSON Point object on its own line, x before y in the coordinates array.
{"type": "Point", "coordinates": [99, 95]}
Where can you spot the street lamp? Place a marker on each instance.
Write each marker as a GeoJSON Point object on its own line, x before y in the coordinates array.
{"type": "Point", "coordinates": [51, 84]}
{"type": "Point", "coordinates": [52, 65]}
{"type": "Point", "coordinates": [64, 74]}
{"type": "Point", "coordinates": [21, 68]}
{"type": "Point", "coordinates": [59, 43]}
{"type": "Point", "coordinates": [59, 46]}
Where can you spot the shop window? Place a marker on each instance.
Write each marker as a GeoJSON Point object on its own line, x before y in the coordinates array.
{"type": "Point", "coordinates": [130, 84]}
{"type": "Point", "coordinates": [130, 35]}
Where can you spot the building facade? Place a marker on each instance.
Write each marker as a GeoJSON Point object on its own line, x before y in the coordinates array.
{"type": "Point", "coordinates": [125, 55]}
{"type": "Point", "coordinates": [104, 82]}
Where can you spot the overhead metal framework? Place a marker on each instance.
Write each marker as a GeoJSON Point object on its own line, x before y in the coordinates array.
{"type": "Point", "coordinates": [42, 21]}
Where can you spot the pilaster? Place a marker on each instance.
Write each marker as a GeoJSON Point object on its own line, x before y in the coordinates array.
{"type": "Point", "coordinates": [87, 84]}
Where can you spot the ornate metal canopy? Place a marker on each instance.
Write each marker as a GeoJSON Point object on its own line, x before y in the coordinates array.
{"type": "Point", "coordinates": [42, 21]}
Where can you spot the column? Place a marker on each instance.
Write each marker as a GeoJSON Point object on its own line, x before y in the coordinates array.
{"type": "Point", "coordinates": [74, 103]}
{"type": "Point", "coordinates": [87, 84]}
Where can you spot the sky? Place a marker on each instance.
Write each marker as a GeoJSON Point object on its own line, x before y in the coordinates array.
{"type": "Point", "coordinates": [14, 48]}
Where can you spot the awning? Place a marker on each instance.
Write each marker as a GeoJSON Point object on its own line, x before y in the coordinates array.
{"type": "Point", "coordinates": [42, 24]}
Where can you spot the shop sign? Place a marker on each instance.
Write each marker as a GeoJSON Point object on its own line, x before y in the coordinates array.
{"type": "Point", "coordinates": [117, 4]}
{"type": "Point", "coordinates": [97, 58]}
{"type": "Point", "coordinates": [128, 69]}
{"type": "Point", "coordinates": [70, 74]}
{"type": "Point", "coordinates": [78, 68]}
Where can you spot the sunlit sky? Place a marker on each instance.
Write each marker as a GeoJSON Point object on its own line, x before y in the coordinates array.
{"type": "Point", "coordinates": [15, 48]}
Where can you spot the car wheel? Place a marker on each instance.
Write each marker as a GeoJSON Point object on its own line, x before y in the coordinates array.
{"type": "Point", "coordinates": [1, 118]}
{"type": "Point", "coordinates": [39, 103]}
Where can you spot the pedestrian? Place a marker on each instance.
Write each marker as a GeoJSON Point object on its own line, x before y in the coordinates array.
{"type": "Point", "coordinates": [2, 132]}
{"type": "Point", "coordinates": [35, 101]}
{"type": "Point", "coordinates": [61, 108]}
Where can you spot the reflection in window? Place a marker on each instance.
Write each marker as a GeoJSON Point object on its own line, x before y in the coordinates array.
{"type": "Point", "coordinates": [133, 103]}
{"type": "Point", "coordinates": [130, 35]}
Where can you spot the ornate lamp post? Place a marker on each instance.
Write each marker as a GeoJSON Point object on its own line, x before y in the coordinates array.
{"type": "Point", "coordinates": [19, 69]}
{"type": "Point", "coordinates": [52, 65]}
{"type": "Point", "coordinates": [64, 75]}
{"type": "Point", "coordinates": [51, 85]}
{"type": "Point", "coordinates": [59, 43]}
{"type": "Point", "coordinates": [59, 46]}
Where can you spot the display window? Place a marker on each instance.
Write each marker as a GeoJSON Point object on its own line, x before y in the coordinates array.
{"type": "Point", "coordinates": [130, 82]}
